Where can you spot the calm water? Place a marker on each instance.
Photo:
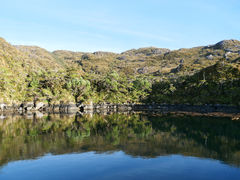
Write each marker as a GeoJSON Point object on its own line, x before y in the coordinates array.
{"type": "Point", "coordinates": [119, 146]}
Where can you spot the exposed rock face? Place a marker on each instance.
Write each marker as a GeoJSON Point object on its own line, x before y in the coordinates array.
{"type": "Point", "coordinates": [181, 61]}
{"type": "Point", "coordinates": [40, 105]}
{"type": "Point", "coordinates": [178, 68]}
{"type": "Point", "coordinates": [146, 51]}
{"type": "Point", "coordinates": [102, 53]}
{"type": "Point", "coordinates": [210, 57]}
{"type": "Point", "coordinates": [3, 106]}
{"type": "Point", "coordinates": [228, 45]}
{"type": "Point", "coordinates": [159, 51]}
{"type": "Point", "coordinates": [122, 58]}
{"type": "Point", "coordinates": [85, 57]}
{"type": "Point", "coordinates": [26, 106]}
{"type": "Point", "coordinates": [72, 107]}
{"type": "Point", "coordinates": [226, 54]}
{"type": "Point", "coordinates": [143, 70]}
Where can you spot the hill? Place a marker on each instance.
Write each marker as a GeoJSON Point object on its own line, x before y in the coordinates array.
{"type": "Point", "coordinates": [155, 61]}
{"type": "Point", "coordinates": [217, 84]}
{"type": "Point", "coordinates": [30, 73]}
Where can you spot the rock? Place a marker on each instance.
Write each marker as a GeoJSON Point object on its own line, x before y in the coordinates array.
{"type": "Point", "coordinates": [148, 51]}
{"type": "Point", "coordinates": [102, 53]}
{"type": "Point", "coordinates": [40, 105]}
{"type": "Point", "coordinates": [160, 51]}
{"type": "Point", "coordinates": [29, 104]}
{"type": "Point", "coordinates": [142, 70]}
{"type": "Point", "coordinates": [226, 54]}
{"type": "Point", "coordinates": [26, 106]}
{"type": "Point", "coordinates": [197, 61]}
{"type": "Point", "coordinates": [3, 106]}
{"type": "Point", "coordinates": [85, 57]}
{"type": "Point", "coordinates": [29, 108]}
{"type": "Point", "coordinates": [181, 61]}
{"type": "Point", "coordinates": [210, 57]}
{"type": "Point", "coordinates": [177, 69]}
{"type": "Point", "coordinates": [122, 58]}
{"type": "Point", "coordinates": [72, 107]}
{"type": "Point", "coordinates": [228, 45]}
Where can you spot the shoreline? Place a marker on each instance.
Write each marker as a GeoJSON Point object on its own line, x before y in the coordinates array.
{"type": "Point", "coordinates": [71, 108]}
{"type": "Point", "coordinates": [38, 114]}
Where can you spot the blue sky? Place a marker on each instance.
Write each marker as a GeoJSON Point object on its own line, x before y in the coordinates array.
{"type": "Point", "coordinates": [118, 25]}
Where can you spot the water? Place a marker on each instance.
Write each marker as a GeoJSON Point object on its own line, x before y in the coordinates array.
{"type": "Point", "coordinates": [119, 146]}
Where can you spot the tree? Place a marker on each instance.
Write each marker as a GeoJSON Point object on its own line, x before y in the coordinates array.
{"type": "Point", "coordinates": [33, 89]}
{"type": "Point", "coordinates": [141, 88]}
{"type": "Point", "coordinates": [78, 87]}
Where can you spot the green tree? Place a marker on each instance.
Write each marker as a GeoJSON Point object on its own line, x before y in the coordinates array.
{"type": "Point", "coordinates": [78, 87]}
{"type": "Point", "coordinates": [141, 88]}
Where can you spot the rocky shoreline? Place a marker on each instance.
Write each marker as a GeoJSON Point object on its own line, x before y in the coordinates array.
{"type": "Point", "coordinates": [208, 108]}
{"type": "Point", "coordinates": [73, 108]}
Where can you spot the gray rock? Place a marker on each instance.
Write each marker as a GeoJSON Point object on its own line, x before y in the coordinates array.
{"type": "Point", "coordinates": [226, 54]}
{"type": "Point", "coordinates": [102, 53]}
{"type": "Point", "coordinates": [160, 51]}
{"type": "Point", "coordinates": [122, 58]}
{"type": "Point", "coordinates": [210, 57]}
{"type": "Point", "coordinates": [227, 45]}
{"type": "Point", "coordinates": [72, 107]}
{"type": "Point", "coordinates": [177, 69]}
{"type": "Point", "coordinates": [148, 51]}
{"type": "Point", "coordinates": [142, 70]}
{"type": "Point", "coordinates": [27, 106]}
{"type": "Point", "coordinates": [85, 57]}
{"type": "Point", "coordinates": [197, 61]}
{"type": "Point", "coordinates": [181, 61]}
{"type": "Point", "coordinates": [40, 105]}
{"type": "Point", "coordinates": [3, 106]}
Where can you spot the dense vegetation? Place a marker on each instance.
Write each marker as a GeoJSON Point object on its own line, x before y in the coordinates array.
{"type": "Point", "coordinates": [217, 84]}
{"type": "Point", "coordinates": [200, 75]}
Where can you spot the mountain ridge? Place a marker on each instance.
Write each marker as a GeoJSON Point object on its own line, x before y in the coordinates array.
{"type": "Point", "coordinates": [24, 67]}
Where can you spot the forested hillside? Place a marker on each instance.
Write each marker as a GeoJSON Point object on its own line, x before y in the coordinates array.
{"type": "Point", "coordinates": [199, 75]}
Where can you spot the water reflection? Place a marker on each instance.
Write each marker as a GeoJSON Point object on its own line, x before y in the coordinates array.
{"type": "Point", "coordinates": [138, 135]}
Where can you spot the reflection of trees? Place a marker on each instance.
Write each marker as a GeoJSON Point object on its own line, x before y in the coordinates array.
{"type": "Point", "coordinates": [137, 135]}
{"type": "Point", "coordinates": [221, 136]}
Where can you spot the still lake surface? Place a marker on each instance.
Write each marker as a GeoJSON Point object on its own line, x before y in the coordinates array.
{"type": "Point", "coordinates": [119, 146]}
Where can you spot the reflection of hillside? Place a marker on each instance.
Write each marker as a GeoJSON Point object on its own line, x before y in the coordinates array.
{"type": "Point", "coordinates": [221, 136]}
{"type": "Point", "coordinates": [136, 135]}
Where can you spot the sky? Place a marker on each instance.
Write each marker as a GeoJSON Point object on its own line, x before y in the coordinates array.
{"type": "Point", "coordinates": [118, 25]}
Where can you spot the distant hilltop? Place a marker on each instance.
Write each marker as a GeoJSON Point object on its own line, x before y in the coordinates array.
{"type": "Point", "coordinates": [149, 60]}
